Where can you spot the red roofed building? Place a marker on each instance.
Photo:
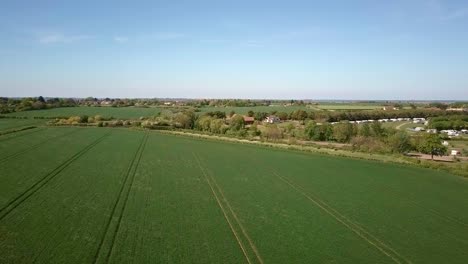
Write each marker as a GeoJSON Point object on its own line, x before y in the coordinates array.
{"type": "Point", "coordinates": [248, 120]}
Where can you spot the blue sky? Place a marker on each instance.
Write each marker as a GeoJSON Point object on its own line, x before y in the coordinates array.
{"type": "Point", "coordinates": [399, 49]}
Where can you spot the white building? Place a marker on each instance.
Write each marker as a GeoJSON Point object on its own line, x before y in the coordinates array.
{"type": "Point", "coordinates": [272, 119]}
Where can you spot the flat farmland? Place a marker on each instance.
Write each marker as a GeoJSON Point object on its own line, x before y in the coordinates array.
{"type": "Point", "coordinates": [98, 195]}
{"type": "Point", "coordinates": [107, 112]}
{"type": "Point", "coordinates": [245, 110]}
{"type": "Point", "coordinates": [7, 124]}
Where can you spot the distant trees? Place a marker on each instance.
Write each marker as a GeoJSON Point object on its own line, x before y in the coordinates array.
{"type": "Point", "coordinates": [449, 122]}
{"type": "Point", "coordinates": [216, 114]}
{"type": "Point", "coordinates": [9, 105]}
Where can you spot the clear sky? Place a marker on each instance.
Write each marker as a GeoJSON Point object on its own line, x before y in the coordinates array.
{"type": "Point", "coordinates": [399, 49]}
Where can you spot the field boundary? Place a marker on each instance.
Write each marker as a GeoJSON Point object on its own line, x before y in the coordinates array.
{"type": "Point", "coordinates": [130, 173]}
{"type": "Point", "coordinates": [210, 180]}
{"type": "Point", "coordinates": [35, 146]}
{"type": "Point", "coordinates": [355, 228]}
{"type": "Point", "coordinates": [11, 205]}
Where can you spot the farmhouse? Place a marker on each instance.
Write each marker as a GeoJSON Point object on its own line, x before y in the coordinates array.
{"type": "Point", "coordinates": [248, 120]}
{"type": "Point", "coordinates": [272, 119]}
{"type": "Point", "coordinates": [455, 152]}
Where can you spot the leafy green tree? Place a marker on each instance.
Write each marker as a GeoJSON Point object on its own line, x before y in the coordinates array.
{"type": "Point", "coordinates": [343, 132]}
{"type": "Point", "coordinates": [400, 142]}
{"type": "Point", "coordinates": [377, 129]}
{"type": "Point", "coordinates": [431, 144]}
{"type": "Point", "coordinates": [272, 132]}
{"type": "Point", "coordinates": [84, 119]}
{"type": "Point", "coordinates": [260, 116]}
{"type": "Point", "coordinates": [216, 126]}
{"type": "Point", "coordinates": [365, 130]}
{"type": "Point", "coordinates": [254, 131]}
{"type": "Point", "coordinates": [183, 120]}
{"type": "Point", "coordinates": [310, 130]}
{"type": "Point", "coordinates": [237, 123]}
{"type": "Point", "coordinates": [282, 116]}
{"type": "Point", "coordinates": [250, 113]}
{"type": "Point", "coordinates": [299, 115]}
{"type": "Point", "coordinates": [203, 123]}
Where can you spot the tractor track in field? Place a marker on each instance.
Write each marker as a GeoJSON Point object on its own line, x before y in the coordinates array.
{"type": "Point", "coordinates": [212, 182]}
{"type": "Point", "coordinates": [224, 212]}
{"type": "Point", "coordinates": [352, 226]}
{"type": "Point", "coordinates": [35, 146]}
{"type": "Point", "coordinates": [38, 122]}
{"type": "Point", "coordinates": [130, 173]}
{"type": "Point", "coordinates": [21, 135]}
{"type": "Point", "coordinates": [10, 206]}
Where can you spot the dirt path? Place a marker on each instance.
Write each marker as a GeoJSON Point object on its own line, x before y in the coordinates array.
{"type": "Point", "coordinates": [400, 125]}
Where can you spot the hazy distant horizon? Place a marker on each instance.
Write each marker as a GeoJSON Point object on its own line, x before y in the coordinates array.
{"type": "Point", "coordinates": [396, 50]}
{"type": "Point", "coordinates": [253, 99]}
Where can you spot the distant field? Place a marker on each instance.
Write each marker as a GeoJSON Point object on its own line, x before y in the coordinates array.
{"type": "Point", "coordinates": [98, 195]}
{"type": "Point", "coordinates": [10, 124]}
{"type": "Point", "coordinates": [134, 112]}
{"type": "Point", "coordinates": [116, 112]}
{"type": "Point", "coordinates": [356, 106]}
{"type": "Point", "coordinates": [289, 109]}
{"type": "Point", "coordinates": [244, 110]}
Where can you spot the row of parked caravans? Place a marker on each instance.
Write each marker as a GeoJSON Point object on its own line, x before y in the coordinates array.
{"type": "Point", "coordinates": [455, 133]}
{"type": "Point", "coordinates": [384, 120]}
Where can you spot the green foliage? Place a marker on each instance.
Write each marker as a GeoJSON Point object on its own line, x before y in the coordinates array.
{"type": "Point", "coordinates": [237, 123]}
{"type": "Point", "coordinates": [204, 123]}
{"type": "Point", "coordinates": [260, 116]}
{"type": "Point", "coordinates": [432, 144]}
{"type": "Point", "coordinates": [272, 132]}
{"type": "Point", "coordinates": [365, 130]}
{"type": "Point", "coordinates": [377, 129]}
{"type": "Point", "coordinates": [310, 130]}
{"type": "Point", "coordinates": [449, 122]}
{"type": "Point", "coordinates": [400, 142]}
{"type": "Point", "coordinates": [343, 132]}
